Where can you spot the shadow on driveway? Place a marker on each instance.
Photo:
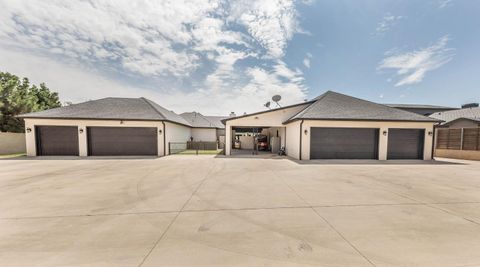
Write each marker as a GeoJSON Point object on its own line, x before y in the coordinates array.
{"type": "Point", "coordinates": [374, 162]}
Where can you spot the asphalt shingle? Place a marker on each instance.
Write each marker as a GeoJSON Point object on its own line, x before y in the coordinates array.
{"type": "Point", "coordinates": [467, 113]}
{"type": "Point", "coordinates": [112, 108]}
{"type": "Point", "coordinates": [200, 121]}
{"type": "Point", "coordinates": [336, 106]}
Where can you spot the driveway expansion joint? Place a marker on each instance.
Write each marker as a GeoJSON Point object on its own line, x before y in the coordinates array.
{"type": "Point", "coordinates": [176, 216]}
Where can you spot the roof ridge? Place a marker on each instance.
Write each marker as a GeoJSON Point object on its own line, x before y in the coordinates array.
{"type": "Point", "coordinates": [152, 107]}
{"type": "Point", "coordinates": [315, 100]}
{"type": "Point", "coordinates": [201, 116]}
{"type": "Point", "coordinates": [379, 104]}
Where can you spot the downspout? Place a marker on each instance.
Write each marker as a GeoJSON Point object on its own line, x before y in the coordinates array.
{"type": "Point", "coordinates": [164, 140]}
{"type": "Point", "coordinates": [433, 140]}
{"type": "Point", "coordinates": [300, 155]}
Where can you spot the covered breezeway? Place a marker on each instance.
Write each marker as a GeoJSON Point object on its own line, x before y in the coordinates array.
{"type": "Point", "coordinates": [257, 140]}
{"type": "Point", "coordinates": [243, 130]}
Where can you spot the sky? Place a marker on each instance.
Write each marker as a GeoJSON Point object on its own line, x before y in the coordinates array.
{"type": "Point", "coordinates": [219, 56]}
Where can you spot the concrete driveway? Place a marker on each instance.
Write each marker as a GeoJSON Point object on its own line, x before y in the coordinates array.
{"type": "Point", "coordinates": [206, 211]}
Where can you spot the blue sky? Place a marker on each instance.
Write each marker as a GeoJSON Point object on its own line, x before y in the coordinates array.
{"type": "Point", "coordinates": [217, 56]}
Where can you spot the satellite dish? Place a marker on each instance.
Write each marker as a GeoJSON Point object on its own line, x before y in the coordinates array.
{"type": "Point", "coordinates": [276, 98]}
{"type": "Point", "coordinates": [267, 104]}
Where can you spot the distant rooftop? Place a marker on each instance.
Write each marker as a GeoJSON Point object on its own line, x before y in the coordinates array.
{"type": "Point", "coordinates": [196, 119]}
{"type": "Point", "coordinates": [467, 113]}
{"type": "Point", "coordinates": [419, 106]}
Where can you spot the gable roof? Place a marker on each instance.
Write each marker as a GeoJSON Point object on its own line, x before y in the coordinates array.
{"type": "Point", "coordinates": [335, 106]}
{"type": "Point", "coordinates": [266, 111]}
{"type": "Point", "coordinates": [197, 120]}
{"type": "Point", "coordinates": [112, 108]}
{"type": "Point", "coordinates": [448, 116]}
{"type": "Point", "coordinates": [217, 121]}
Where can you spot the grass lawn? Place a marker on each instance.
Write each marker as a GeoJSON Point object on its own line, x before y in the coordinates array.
{"type": "Point", "coordinates": [200, 152]}
{"type": "Point", "coordinates": [6, 156]}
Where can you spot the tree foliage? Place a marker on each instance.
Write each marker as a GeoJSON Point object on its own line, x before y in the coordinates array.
{"type": "Point", "coordinates": [17, 97]}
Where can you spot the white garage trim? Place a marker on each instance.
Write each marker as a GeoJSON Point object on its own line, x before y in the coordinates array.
{"type": "Point", "coordinates": [383, 139]}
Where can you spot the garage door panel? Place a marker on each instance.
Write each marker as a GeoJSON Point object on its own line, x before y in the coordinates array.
{"type": "Point", "coordinates": [57, 140]}
{"type": "Point", "coordinates": [122, 141]}
{"type": "Point", "coordinates": [344, 143]}
{"type": "Point", "coordinates": [405, 143]}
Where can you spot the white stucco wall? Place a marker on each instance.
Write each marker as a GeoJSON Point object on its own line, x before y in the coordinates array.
{"type": "Point", "coordinates": [82, 137]}
{"type": "Point", "coordinates": [204, 134]}
{"type": "Point", "coordinates": [383, 140]}
{"type": "Point", "coordinates": [292, 147]}
{"type": "Point", "coordinates": [176, 133]}
{"type": "Point", "coordinates": [274, 118]}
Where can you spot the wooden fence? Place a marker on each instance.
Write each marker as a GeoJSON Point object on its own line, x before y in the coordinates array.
{"type": "Point", "coordinates": [458, 139]}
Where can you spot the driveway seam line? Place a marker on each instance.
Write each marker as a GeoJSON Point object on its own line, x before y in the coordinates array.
{"type": "Point", "coordinates": [430, 205]}
{"type": "Point", "coordinates": [176, 216]}
{"type": "Point", "coordinates": [343, 237]}
{"type": "Point", "coordinates": [325, 220]}
{"type": "Point", "coordinates": [243, 209]}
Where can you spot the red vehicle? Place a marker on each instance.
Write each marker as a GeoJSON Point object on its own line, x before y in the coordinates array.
{"type": "Point", "coordinates": [262, 142]}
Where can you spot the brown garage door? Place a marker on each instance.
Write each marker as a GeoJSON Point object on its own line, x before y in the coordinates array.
{"type": "Point", "coordinates": [122, 141]}
{"type": "Point", "coordinates": [57, 140]}
{"type": "Point", "coordinates": [344, 143]}
{"type": "Point", "coordinates": [405, 143]}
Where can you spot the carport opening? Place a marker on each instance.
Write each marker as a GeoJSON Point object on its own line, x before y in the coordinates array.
{"type": "Point", "coordinates": [257, 140]}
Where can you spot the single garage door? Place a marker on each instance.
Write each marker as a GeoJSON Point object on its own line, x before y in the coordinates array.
{"type": "Point", "coordinates": [122, 141]}
{"type": "Point", "coordinates": [57, 140]}
{"type": "Point", "coordinates": [344, 143]}
{"type": "Point", "coordinates": [405, 143]}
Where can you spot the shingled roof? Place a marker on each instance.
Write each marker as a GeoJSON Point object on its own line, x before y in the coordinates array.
{"type": "Point", "coordinates": [335, 106]}
{"type": "Point", "coordinates": [467, 113]}
{"type": "Point", "coordinates": [198, 120]}
{"type": "Point", "coordinates": [112, 108]}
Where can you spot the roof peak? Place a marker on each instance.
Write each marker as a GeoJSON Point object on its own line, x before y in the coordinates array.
{"type": "Point", "coordinates": [332, 105]}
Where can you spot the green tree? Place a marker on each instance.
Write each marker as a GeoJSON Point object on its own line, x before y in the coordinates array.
{"type": "Point", "coordinates": [17, 97]}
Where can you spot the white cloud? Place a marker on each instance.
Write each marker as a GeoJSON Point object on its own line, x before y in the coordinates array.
{"type": "Point", "coordinates": [306, 60]}
{"type": "Point", "coordinates": [443, 3]}
{"type": "Point", "coordinates": [195, 45]}
{"type": "Point", "coordinates": [412, 67]}
{"type": "Point", "coordinates": [271, 22]}
{"type": "Point", "coordinates": [387, 22]}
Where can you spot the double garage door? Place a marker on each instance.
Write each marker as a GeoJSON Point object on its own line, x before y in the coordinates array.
{"type": "Point", "coordinates": [362, 143]}
{"type": "Point", "coordinates": [102, 141]}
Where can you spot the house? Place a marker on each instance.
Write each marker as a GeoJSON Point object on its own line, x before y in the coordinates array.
{"type": "Point", "coordinates": [331, 126]}
{"type": "Point", "coordinates": [337, 126]}
{"type": "Point", "coordinates": [109, 126]}
{"type": "Point", "coordinates": [424, 110]}
{"type": "Point", "coordinates": [458, 136]}
{"type": "Point", "coordinates": [205, 128]}
{"type": "Point", "coordinates": [466, 117]}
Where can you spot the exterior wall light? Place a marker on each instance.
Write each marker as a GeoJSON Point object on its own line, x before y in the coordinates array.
{"type": "Point", "coordinates": [305, 132]}
{"type": "Point", "coordinates": [80, 130]}
{"type": "Point", "coordinates": [430, 133]}
{"type": "Point", "coordinates": [256, 118]}
{"type": "Point", "coordinates": [160, 131]}
{"type": "Point", "coordinates": [29, 130]}
{"type": "Point", "coordinates": [385, 132]}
